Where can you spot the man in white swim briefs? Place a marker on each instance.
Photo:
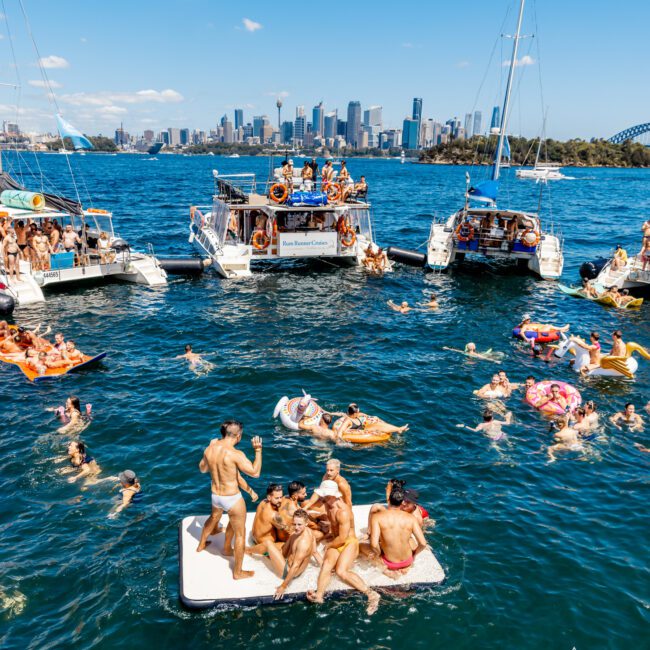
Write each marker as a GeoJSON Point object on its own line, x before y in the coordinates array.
{"type": "Point", "coordinates": [224, 463]}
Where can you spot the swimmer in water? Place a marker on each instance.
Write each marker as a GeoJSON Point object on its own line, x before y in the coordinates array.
{"type": "Point", "coordinates": [433, 302]}
{"type": "Point", "coordinates": [196, 362]}
{"type": "Point", "coordinates": [355, 420]}
{"type": "Point", "coordinates": [493, 389]}
{"type": "Point", "coordinates": [490, 427]}
{"type": "Point", "coordinates": [130, 491]}
{"type": "Point", "coordinates": [470, 351]}
{"type": "Point", "coordinates": [82, 461]}
{"type": "Point", "coordinates": [402, 308]}
{"type": "Point", "coordinates": [566, 439]}
{"type": "Point", "coordinates": [591, 416]}
{"type": "Point", "coordinates": [527, 326]}
{"type": "Point", "coordinates": [70, 415]}
{"type": "Point", "coordinates": [555, 397]}
{"type": "Point", "coordinates": [322, 429]}
{"type": "Point", "coordinates": [629, 417]}
{"type": "Point", "coordinates": [580, 423]}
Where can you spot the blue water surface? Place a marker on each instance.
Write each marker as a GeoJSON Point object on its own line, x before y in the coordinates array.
{"type": "Point", "coordinates": [537, 555]}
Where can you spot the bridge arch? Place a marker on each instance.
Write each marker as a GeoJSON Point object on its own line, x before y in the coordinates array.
{"type": "Point", "coordinates": [629, 134]}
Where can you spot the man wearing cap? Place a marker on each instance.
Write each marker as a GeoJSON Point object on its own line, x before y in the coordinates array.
{"type": "Point", "coordinates": [131, 491]}
{"type": "Point", "coordinates": [391, 530]}
{"type": "Point", "coordinates": [224, 462]}
{"type": "Point", "coordinates": [341, 547]}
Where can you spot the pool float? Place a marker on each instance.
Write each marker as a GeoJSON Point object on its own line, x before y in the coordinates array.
{"type": "Point", "coordinates": [539, 391]}
{"type": "Point", "coordinates": [365, 437]}
{"type": "Point", "coordinates": [291, 411]}
{"type": "Point", "coordinates": [543, 335]}
{"type": "Point", "coordinates": [53, 373]}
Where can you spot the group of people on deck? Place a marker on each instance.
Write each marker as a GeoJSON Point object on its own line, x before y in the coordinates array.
{"type": "Point", "coordinates": [20, 345]}
{"type": "Point", "coordinates": [309, 178]}
{"type": "Point", "coordinates": [36, 242]}
{"type": "Point", "coordinates": [296, 529]}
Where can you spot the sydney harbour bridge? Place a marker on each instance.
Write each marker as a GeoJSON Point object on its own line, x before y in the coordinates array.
{"type": "Point", "coordinates": [639, 133]}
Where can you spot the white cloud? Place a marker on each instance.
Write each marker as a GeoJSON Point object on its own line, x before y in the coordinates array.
{"type": "Point", "coordinates": [112, 110]}
{"type": "Point", "coordinates": [282, 94]}
{"type": "Point", "coordinates": [54, 61]}
{"type": "Point", "coordinates": [251, 25]}
{"type": "Point", "coordinates": [462, 64]}
{"type": "Point", "coordinates": [525, 60]}
{"type": "Point", "coordinates": [107, 98]}
{"type": "Point", "coordinates": [39, 83]}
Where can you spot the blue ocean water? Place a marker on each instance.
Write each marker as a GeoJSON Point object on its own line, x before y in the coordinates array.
{"type": "Point", "coordinates": [537, 555]}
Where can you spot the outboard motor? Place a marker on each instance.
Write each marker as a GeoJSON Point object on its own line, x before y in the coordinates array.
{"type": "Point", "coordinates": [7, 304]}
{"type": "Point", "coordinates": [590, 270]}
{"type": "Point", "coordinates": [120, 245]}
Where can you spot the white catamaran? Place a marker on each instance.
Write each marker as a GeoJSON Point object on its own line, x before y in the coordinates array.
{"type": "Point", "coordinates": [492, 232]}
{"type": "Point", "coordinates": [287, 220]}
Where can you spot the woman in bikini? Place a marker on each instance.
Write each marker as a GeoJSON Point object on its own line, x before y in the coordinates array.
{"type": "Point", "coordinates": [81, 461]}
{"type": "Point", "coordinates": [11, 254]}
{"type": "Point", "coordinates": [355, 420]}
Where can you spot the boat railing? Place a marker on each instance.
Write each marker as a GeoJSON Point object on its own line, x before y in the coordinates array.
{"type": "Point", "coordinates": [234, 188]}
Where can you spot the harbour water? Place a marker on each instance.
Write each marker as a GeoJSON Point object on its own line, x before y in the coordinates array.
{"type": "Point", "coordinates": [537, 555]}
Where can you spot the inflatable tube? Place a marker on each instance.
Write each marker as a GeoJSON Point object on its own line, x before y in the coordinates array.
{"type": "Point", "coordinates": [22, 199]}
{"type": "Point", "coordinates": [539, 391]}
{"type": "Point", "coordinates": [365, 437]}
{"type": "Point", "coordinates": [7, 304]}
{"type": "Point", "coordinates": [407, 257]}
{"type": "Point", "coordinates": [291, 411]}
{"type": "Point", "coordinates": [183, 265]}
{"type": "Point", "coordinates": [540, 337]}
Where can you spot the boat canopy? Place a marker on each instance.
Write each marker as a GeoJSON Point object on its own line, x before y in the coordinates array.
{"type": "Point", "coordinates": [485, 191]}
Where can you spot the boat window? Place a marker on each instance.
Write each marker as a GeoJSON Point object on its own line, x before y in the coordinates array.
{"type": "Point", "coordinates": [219, 219]}
{"type": "Point", "coordinates": [359, 219]}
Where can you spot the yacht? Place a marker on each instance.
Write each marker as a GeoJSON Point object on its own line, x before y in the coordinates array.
{"type": "Point", "coordinates": [632, 276]}
{"type": "Point", "coordinates": [542, 172]}
{"type": "Point", "coordinates": [250, 222]}
{"type": "Point", "coordinates": [483, 229]}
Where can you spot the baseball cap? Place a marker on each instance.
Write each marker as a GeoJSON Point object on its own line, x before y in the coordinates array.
{"type": "Point", "coordinates": [411, 496]}
{"type": "Point", "coordinates": [127, 476]}
{"type": "Point", "coordinates": [328, 489]}
{"type": "Point", "coordinates": [525, 317]}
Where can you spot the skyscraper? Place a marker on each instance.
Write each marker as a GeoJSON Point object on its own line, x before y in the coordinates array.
{"type": "Point", "coordinates": [477, 123]}
{"type": "Point", "coordinates": [417, 115]}
{"type": "Point", "coordinates": [496, 118]}
{"type": "Point", "coordinates": [468, 125]}
{"type": "Point", "coordinates": [226, 125]}
{"type": "Point", "coordinates": [372, 116]}
{"type": "Point", "coordinates": [185, 135]}
{"type": "Point", "coordinates": [239, 117]}
{"type": "Point", "coordinates": [318, 120]}
{"type": "Point", "coordinates": [410, 133]}
{"type": "Point", "coordinates": [258, 123]}
{"type": "Point", "coordinates": [287, 132]}
{"type": "Point", "coordinates": [354, 124]}
{"type": "Point", "coordinates": [299, 125]}
{"type": "Point", "coordinates": [329, 128]}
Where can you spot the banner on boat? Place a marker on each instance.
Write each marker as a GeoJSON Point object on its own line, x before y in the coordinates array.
{"type": "Point", "coordinates": [307, 244]}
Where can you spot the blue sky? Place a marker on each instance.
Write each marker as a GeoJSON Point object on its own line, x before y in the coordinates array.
{"type": "Point", "coordinates": [186, 63]}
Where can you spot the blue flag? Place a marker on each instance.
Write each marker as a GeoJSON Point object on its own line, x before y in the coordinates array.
{"type": "Point", "coordinates": [66, 130]}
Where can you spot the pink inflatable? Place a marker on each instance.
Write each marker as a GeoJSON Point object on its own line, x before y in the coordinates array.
{"type": "Point", "coordinates": [537, 395]}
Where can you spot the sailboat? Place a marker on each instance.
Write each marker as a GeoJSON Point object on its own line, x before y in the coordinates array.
{"type": "Point", "coordinates": [483, 229]}
{"type": "Point", "coordinates": [542, 171]}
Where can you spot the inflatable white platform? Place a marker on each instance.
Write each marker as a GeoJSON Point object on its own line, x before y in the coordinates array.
{"type": "Point", "coordinates": [206, 577]}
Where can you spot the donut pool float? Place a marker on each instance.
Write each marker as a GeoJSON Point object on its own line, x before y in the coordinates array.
{"type": "Point", "coordinates": [541, 390]}
{"type": "Point", "coordinates": [291, 411]}
{"type": "Point", "coordinates": [540, 336]}
{"type": "Point", "coordinates": [365, 437]}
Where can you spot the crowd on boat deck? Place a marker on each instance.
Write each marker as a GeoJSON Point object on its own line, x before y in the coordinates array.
{"type": "Point", "coordinates": [493, 228]}
{"type": "Point", "coordinates": [19, 345]}
{"type": "Point", "coordinates": [35, 242]}
{"type": "Point", "coordinates": [306, 178]}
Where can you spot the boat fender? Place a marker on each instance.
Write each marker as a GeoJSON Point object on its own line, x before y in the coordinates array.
{"type": "Point", "coordinates": [183, 265]}
{"type": "Point", "coordinates": [7, 304]}
{"type": "Point", "coordinates": [590, 270]}
{"type": "Point", "coordinates": [405, 256]}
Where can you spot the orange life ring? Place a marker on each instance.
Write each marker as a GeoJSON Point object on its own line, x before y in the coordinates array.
{"type": "Point", "coordinates": [524, 234]}
{"type": "Point", "coordinates": [465, 227]}
{"type": "Point", "coordinates": [261, 240]}
{"type": "Point", "coordinates": [97, 211]}
{"type": "Point", "coordinates": [348, 237]}
{"type": "Point", "coordinates": [274, 197]}
{"type": "Point", "coordinates": [333, 191]}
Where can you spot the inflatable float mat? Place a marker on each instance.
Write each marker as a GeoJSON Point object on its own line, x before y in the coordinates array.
{"type": "Point", "coordinates": [54, 373]}
{"type": "Point", "coordinates": [541, 337]}
{"type": "Point", "coordinates": [607, 300]}
{"type": "Point", "coordinates": [365, 437]}
{"type": "Point", "coordinates": [206, 577]}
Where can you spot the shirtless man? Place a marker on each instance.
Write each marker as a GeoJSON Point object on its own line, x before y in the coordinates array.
{"type": "Point", "coordinates": [629, 417]}
{"type": "Point", "coordinates": [470, 351]}
{"type": "Point", "coordinates": [556, 397]}
{"type": "Point", "coordinates": [391, 530]}
{"type": "Point", "coordinates": [53, 235]}
{"type": "Point", "coordinates": [341, 549]}
{"type": "Point", "coordinates": [70, 240]}
{"type": "Point", "coordinates": [493, 389]}
{"type": "Point", "coordinates": [292, 559]}
{"type": "Point", "coordinates": [322, 429]}
{"type": "Point", "coordinates": [566, 439]}
{"type": "Point", "coordinates": [402, 308]}
{"type": "Point", "coordinates": [72, 353]}
{"type": "Point", "coordinates": [527, 326]}
{"type": "Point", "coordinates": [297, 494]}
{"type": "Point", "coordinates": [268, 524]}
{"type": "Point", "coordinates": [11, 254]}
{"type": "Point", "coordinates": [591, 416]}
{"type": "Point", "coordinates": [490, 427]}
{"type": "Point", "coordinates": [333, 473]}
{"type": "Point", "coordinates": [42, 250]}
{"type": "Point", "coordinates": [594, 351]}
{"type": "Point", "coordinates": [224, 462]}
{"type": "Point", "coordinates": [59, 342]}
{"type": "Point", "coordinates": [580, 422]}
{"type": "Point", "coordinates": [618, 347]}
{"type": "Point", "coordinates": [21, 235]}
{"type": "Point", "coordinates": [192, 357]}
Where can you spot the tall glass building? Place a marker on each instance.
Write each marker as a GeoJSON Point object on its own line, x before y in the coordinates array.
{"type": "Point", "coordinates": [410, 133]}
{"type": "Point", "coordinates": [317, 120]}
{"type": "Point", "coordinates": [354, 124]}
{"type": "Point", "coordinates": [239, 118]}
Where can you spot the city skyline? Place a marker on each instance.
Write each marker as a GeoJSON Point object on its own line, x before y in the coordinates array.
{"type": "Point", "coordinates": [153, 80]}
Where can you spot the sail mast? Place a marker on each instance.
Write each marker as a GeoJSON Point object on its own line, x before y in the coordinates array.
{"type": "Point", "coordinates": [506, 101]}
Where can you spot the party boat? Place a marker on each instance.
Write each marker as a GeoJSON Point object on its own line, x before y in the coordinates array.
{"type": "Point", "coordinates": [250, 222]}
{"type": "Point", "coordinates": [482, 229]}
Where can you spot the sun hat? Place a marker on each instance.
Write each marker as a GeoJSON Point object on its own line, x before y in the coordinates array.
{"type": "Point", "coordinates": [328, 489]}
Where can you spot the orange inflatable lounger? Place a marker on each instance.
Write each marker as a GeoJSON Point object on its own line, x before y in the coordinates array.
{"type": "Point", "coordinates": [53, 373]}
